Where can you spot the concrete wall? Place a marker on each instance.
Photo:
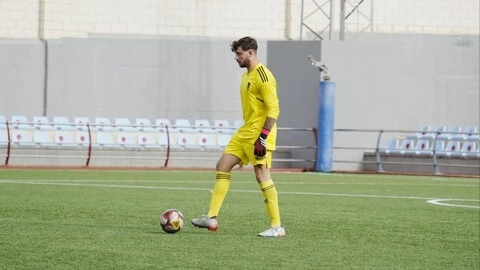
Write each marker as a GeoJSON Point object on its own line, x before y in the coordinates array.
{"type": "Point", "coordinates": [272, 19]}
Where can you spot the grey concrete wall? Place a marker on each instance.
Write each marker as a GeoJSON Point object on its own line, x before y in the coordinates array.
{"type": "Point", "coordinates": [21, 77]}
{"type": "Point", "coordinates": [298, 92]}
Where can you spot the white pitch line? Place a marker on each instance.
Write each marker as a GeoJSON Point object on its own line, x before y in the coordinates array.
{"type": "Point", "coordinates": [440, 202]}
{"type": "Point", "coordinates": [232, 190]}
{"type": "Point", "coordinates": [243, 182]}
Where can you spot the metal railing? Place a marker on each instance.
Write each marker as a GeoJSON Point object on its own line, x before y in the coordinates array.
{"type": "Point", "coordinates": [407, 157]}
{"type": "Point", "coordinates": [91, 149]}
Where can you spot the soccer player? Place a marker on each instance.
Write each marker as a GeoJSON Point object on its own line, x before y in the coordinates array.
{"type": "Point", "coordinates": [253, 142]}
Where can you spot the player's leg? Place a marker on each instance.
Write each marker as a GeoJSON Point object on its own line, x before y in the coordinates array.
{"type": "Point", "coordinates": [264, 179]}
{"type": "Point", "coordinates": [232, 156]}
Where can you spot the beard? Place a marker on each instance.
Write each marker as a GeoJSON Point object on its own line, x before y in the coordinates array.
{"type": "Point", "coordinates": [242, 64]}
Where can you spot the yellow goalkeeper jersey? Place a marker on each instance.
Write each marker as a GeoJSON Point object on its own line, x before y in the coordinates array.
{"type": "Point", "coordinates": [258, 92]}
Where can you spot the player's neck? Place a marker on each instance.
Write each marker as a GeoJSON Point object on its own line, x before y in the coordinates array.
{"type": "Point", "coordinates": [252, 65]}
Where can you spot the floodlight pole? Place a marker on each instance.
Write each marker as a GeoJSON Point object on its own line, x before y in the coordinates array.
{"type": "Point", "coordinates": [326, 116]}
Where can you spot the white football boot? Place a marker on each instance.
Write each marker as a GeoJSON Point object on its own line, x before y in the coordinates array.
{"type": "Point", "coordinates": [273, 232]}
{"type": "Point", "coordinates": [205, 222]}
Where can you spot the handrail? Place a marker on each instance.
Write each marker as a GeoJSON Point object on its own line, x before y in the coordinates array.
{"type": "Point", "coordinates": [93, 153]}
{"type": "Point", "coordinates": [433, 151]}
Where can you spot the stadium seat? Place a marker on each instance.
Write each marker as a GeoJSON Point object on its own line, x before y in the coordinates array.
{"type": "Point", "coordinates": [451, 149]}
{"type": "Point", "coordinates": [206, 140]}
{"type": "Point", "coordinates": [406, 146]}
{"type": "Point", "coordinates": [450, 133]}
{"type": "Point", "coordinates": [203, 125]}
{"type": "Point", "coordinates": [422, 131]}
{"type": "Point", "coordinates": [105, 139]}
{"type": "Point", "coordinates": [81, 123]}
{"type": "Point", "coordinates": [392, 144]}
{"type": "Point", "coordinates": [82, 138]}
{"type": "Point", "coordinates": [237, 123]}
{"type": "Point", "coordinates": [123, 124]}
{"type": "Point", "coordinates": [127, 140]}
{"type": "Point", "coordinates": [20, 122]}
{"type": "Point", "coordinates": [422, 148]}
{"type": "Point", "coordinates": [42, 122]}
{"type": "Point", "coordinates": [468, 150]}
{"type": "Point", "coordinates": [103, 124]}
{"type": "Point", "coordinates": [223, 139]}
{"type": "Point", "coordinates": [473, 138]}
{"type": "Point", "coordinates": [162, 139]}
{"type": "Point", "coordinates": [20, 137]}
{"type": "Point", "coordinates": [184, 126]}
{"type": "Point", "coordinates": [437, 131]}
{"type": "Point", "coordinates": [43, 137]}
{"type": "Point", "coordinates": [147, 140]}
{"type": "Point", "coordinates": [186, 140]}
{"type": "Point", "coordinates": [3, 135]}
{"type": "Point", "coordinates": [467, 132]}
{"type": "Point", "coordinates": [2, 119]}
{"type": "Point", "coordinates": [223, 126]}
{"type": "Point", "coordinates": [64, 138]}
{"type": "Point", "coordinates": [163, 123]}
{"type": "Point", "coordinates": [144, 124]}
{"type": "Point", "coordinates": [62, 123]}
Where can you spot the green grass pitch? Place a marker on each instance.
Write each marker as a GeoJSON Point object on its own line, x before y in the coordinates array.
{"type": "Point", "coordinates": [61, 219]}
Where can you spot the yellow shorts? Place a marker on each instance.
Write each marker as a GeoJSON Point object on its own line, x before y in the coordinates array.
{"type": "Point", "coordinates": [244, 151]}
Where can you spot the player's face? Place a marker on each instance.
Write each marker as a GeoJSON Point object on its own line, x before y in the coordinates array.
{"type": "Point", "coordinates": [243, 57]}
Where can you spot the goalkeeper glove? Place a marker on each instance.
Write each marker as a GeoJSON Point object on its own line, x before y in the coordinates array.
{"type": "Point", "coordinates": [260, 146]}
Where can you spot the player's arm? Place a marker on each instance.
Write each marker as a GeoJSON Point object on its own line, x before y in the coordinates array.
{"type": "Point", "coordinates": [268, 89]}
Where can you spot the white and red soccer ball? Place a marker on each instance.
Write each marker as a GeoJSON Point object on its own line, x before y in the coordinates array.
{"type": "Point", "coordinates": [172, 221]}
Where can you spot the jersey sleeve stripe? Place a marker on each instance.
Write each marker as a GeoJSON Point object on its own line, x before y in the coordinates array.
{"type": "Point", "coordinates": [262, 74]}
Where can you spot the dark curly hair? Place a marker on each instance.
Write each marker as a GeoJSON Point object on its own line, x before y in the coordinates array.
{"type": "Point", "coordinates": [246, 43]}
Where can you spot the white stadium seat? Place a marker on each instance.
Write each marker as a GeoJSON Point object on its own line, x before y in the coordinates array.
{"type": "Point", "coordinates": [147, 140]}
{"type": "Point", "coordinates": [206, 140]}
{"type": "Point", "coordinates": [62, 123]}
{"type": "Point", "coordinates": [123, 124]}
{"type": "Point", "coordinates": [406, 146]}
{"type": "Point", "coordinates": [422, 131]}
{"type": "Point", "coordinates": [64, 138]}
{"type": "Point", "coordinates": [184, 125]}
{"type": "Point", "coordinates": [81, 123]}
{"type": "Point", "coordinates": [42, 122]}
{"type": "Point", "coordinates": [392, 144]}
{"type": "Point", "coordinates": [43, 138]}
{"type": "Point", "coordinates": [82, 138]}
{"type": "Point", "coordinates": [223, 126]}
{"type": "Point", "coordinates": [186, 140]}
{"type": "Point", "coordinates": [103, 124]}
{"type": "Point", "coordinates": [127, 139]}
{"type": "Point", "coordinates": [163, 123]}
{"type": "Point", "coordinates": [22, 137]}
{"type": "Point", "coordinates": [203, 125]}
{"type": "Point", "coordinates": [106, 139]}
{"type": "Point", "coordinates": [20, 122]}
{"type": "Point", "coordinates": [144, 124]}
{"type": "Point", "coordinates": [223, 139]}
{"type": "Point", "coordinates": [3, 135]}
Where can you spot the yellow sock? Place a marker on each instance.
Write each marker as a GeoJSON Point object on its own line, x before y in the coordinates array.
{"type": "Point", "coordinates": [271, 202]}
{"type": "Point", "coordinates": [222, 184]}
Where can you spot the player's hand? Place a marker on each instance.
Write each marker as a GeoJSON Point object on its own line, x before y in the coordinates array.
{"type": "Point", "coordinates": [260, 146]}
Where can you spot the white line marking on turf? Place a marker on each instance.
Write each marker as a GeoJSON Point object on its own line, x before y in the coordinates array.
{"type": "Point", "coordinates": [440, 202]}
{"type": "Point", "coordinates": [208, 189]}
{"type": "Point", "coordinates": [243, 182]}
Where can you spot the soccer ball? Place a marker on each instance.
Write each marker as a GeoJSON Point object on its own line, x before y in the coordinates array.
{"type": "Point", "coordinates": [171, 221]}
